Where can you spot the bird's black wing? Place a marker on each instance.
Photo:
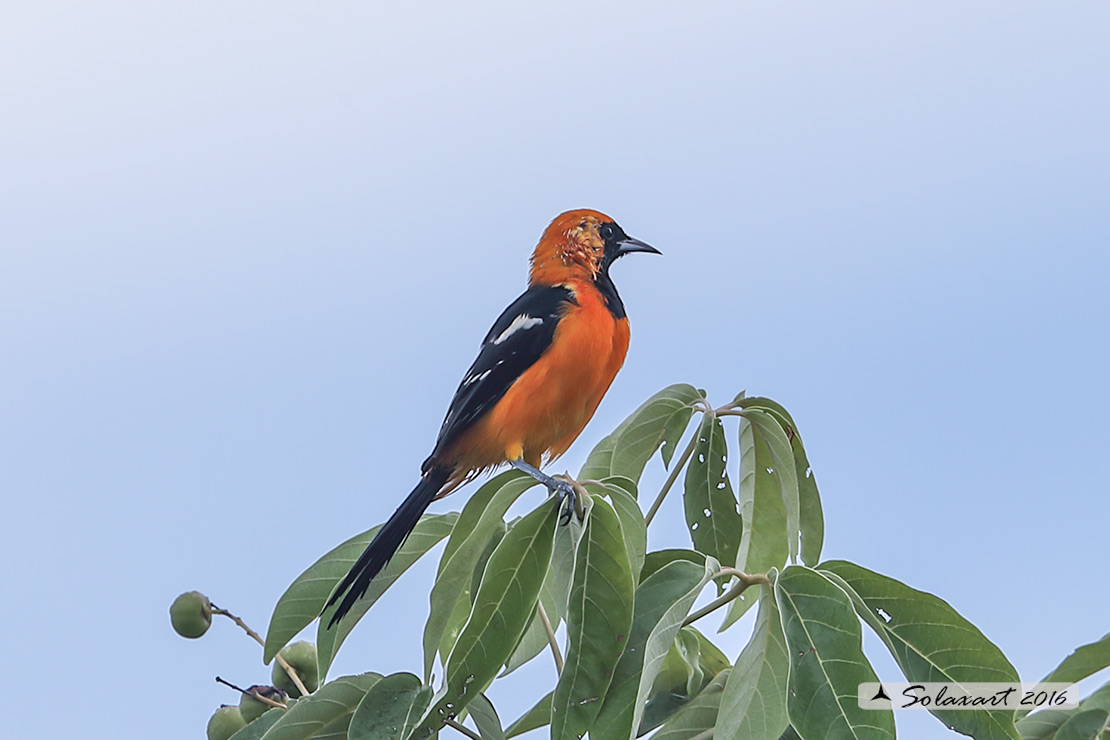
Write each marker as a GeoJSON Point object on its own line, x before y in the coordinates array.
{"type": "Point", "coordinates": [518, 338]}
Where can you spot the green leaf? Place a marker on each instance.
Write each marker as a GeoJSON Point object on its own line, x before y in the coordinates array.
{"type": "Point", "coordinates": [428, 532]}
{"type": "Point", "coordinates": [255, 730]}
{"type": "Point", "coordinates": [455, 622]}
{"type": "Point", "coordinates": [1085, 660]}
{"type": "Point", "coordinates": [1099, 699]}
{"type": "Point", "coordinates": [931, 642]}
{"type": "Point", "coordinates": [689, 647]}
{"type": "Point", "coordinates": [480, 566]}
{"type": "Point", "coordinates": [390, 708]}
{"type": "Point", "coordinates": [622, 492]}
{"type": "Point", "coordinates": [681, 672]}
{"type": "Point", "coordinates": [763, 544]}
{"type": "Point", "coordinates": [663, 599]}
{"type": "Point", "coordinates": [567, 539]}
{"type": "Point", "coordinates": [485, 717]}
{"type": "Point", "coordinates": [535, 718]}
{"type": "Point", "coordinates": [303, 601]}
{"type": "Point", "coordinates": [827, 664]}
{"type": "Point", "coordinates": [660, 707]}
{"type": "Point", "coordinates": [534, 641]}
{"type": "Point", "coordinates": [812, 519]}
{"type": "Point", "coordinates": [480, 518]}
{"type": "Point", "coordinates": [654, 561]}
{"type": "Point", "coordinates": [688, 666]}
{"type": "Point", "coordinates": [673, 676]}
{"type": "Point", "coordinates": [554, 595]}
{"type": "Point", "coordinates": [331, 706]}
{"type": "Point", "coordinates": [1043, 724]}
{"type": "Point", "coordinates": [713, 661]}
{"type": "Point", "coordinates": [660, 420]}
{"type": "Point", "coordinates": [711, 509]}
{"type": "Point", "coordinates": [699, 715]}
{"type": "Point", "coordinates": [502, 608]}
{"type": "Point", "coordinates": [754, 704]}
{"type": "Point", "coordinates": [673, 429]}
{"type": "Point", "coordinates": [1085, 725]}
{"type": "Point", "coordinates": [599, 463]}
{"type": "Point", "coordinates": [598, 623]}
{"type": "Point", "coordinates": [782, 458]}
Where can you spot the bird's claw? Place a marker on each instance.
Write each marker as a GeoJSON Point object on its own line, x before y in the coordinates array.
{"type": "Point", "coordinates": [565, 493]}
{"type": "Point", "coordinates": [562, 489]}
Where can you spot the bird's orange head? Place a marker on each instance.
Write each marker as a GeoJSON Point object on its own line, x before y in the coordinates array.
{"type": "Point", "coordinates": [581, 245]}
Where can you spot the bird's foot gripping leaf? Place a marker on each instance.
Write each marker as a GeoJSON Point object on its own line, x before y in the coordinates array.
{"type": "Point", "coordinates": [563, 489]}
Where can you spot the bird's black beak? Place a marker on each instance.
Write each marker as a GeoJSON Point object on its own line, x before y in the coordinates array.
{"type": "Point", "coordinates": [628, 245]}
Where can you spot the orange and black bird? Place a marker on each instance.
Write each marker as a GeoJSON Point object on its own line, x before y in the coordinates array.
{"type": "Point", "coordinates": [540, 374]}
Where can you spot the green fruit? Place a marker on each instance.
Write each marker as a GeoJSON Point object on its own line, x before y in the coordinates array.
{"type": "Point", "coordinates": [302, 656]}
{"type": "Point", "coordinates": [191, 614]}
{"type": "Point", "coordinates": [225, 722]}
{"type": "Point", "coordinates": [252, 708]}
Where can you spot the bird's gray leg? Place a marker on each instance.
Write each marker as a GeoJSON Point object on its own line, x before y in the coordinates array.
{"type": "Point", "coordinates": [557, 486]}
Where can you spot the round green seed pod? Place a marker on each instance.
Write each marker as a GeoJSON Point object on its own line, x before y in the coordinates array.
{"type": "Point", "coordinates": [226, 721]}
{"type": "Point", "coordinates": [252, 708]}
{"type": "Point", "coordinates": [302, 657]}
{"type": "Point", "coordinates": [191, 614]}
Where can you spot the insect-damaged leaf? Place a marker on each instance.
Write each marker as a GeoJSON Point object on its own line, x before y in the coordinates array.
{"type": "Point", "coordinates": [827, 664]}
{"type": "Point", "coordinates": [711, 508]}
{"type": "Point", "coordinates": [390, 709]}
{"type": "Point", "coordinates": [930, 641]}
{"type": "Point", "coordinates": [812, 520]}
{"type": "Point", "coordinates": [764, 543]}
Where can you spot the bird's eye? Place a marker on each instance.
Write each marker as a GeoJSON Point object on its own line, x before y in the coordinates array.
{"type": "Point", "coordinates": [607, 232]}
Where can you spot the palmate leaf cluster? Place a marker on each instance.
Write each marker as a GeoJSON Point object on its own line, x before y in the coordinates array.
{"type": "Point", "coordinates": [632, 660]}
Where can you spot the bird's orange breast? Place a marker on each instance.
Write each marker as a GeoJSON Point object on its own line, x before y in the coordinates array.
{"type": "Point", "coordinates": [549, 405]}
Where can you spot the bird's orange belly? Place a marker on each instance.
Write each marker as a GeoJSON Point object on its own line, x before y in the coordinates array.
{"type": "Point", "coordinates": [549, 405]}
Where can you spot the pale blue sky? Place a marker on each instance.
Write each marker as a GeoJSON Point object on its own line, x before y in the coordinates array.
{"type": "Point", "coordinates": [247, 251]}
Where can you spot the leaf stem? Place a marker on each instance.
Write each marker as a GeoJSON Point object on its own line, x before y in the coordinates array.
{"type": "Point", "coordinates": [254, 635]}
{"type": "Point", "coordinates": [671, 478]}
{"type": "Point", "coordinates": [743, 581]}
{"type": "Point", "coordinates": [704, 404]}
{"type": "Point", "coordinates": [704, 735]}
{"type": "Point", "coordinates": [463, 729]}
{"type": "Point", "coordinates": [558, 656]}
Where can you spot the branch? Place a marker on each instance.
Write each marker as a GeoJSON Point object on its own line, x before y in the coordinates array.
{"type": "Point", "coordinates": [671, 479]}
{"type": "Point", "coordinates": [463, 729]}
{"type": "Point", "coordinates": [550, 638]}
{"type": "Point", "coordinates": [254, 635]}
{"type": "Point", "coordinates": [260, 697]}
{"type": "Point", "coordinates": [744, 580]}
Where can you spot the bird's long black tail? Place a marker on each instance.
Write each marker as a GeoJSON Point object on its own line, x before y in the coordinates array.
{"type": "Point", "coordinates": [386, 542]}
